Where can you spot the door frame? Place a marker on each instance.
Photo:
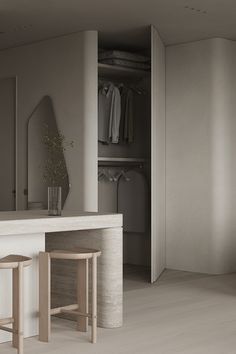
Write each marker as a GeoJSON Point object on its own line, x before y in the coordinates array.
{"type": "Point", "coordinates": [158, 147]}
{"type": "Point", "coordinates": [15, 78]}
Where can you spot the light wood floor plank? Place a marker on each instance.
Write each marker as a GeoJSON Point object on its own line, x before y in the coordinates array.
{"type": "Point", "coordinates": [183, 313]}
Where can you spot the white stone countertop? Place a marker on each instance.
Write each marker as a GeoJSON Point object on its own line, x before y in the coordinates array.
{"type": "Point", "coordinates": [38, 221]}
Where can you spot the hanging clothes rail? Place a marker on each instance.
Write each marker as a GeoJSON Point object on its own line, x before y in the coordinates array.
{"type": "Point", "coordinates": [138, 89]}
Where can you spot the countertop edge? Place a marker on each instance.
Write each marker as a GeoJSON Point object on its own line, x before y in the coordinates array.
{"type": "Point", "coordinates": [46, 224]}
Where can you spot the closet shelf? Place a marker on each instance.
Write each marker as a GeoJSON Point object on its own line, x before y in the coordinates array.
{"type": "Point", "coordinates": [121, 161]}
{"type": "Point", "coordinates": [119, 71]}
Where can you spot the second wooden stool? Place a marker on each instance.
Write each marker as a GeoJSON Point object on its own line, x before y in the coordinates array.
{"type": "Point", "coordinates": [80, 309]}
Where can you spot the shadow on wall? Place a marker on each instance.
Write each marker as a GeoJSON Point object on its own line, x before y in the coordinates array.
{"type": "Point", "coordinates": [42, 120]}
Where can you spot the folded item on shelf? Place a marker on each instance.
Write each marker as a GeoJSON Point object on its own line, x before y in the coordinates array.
{"type": "Point", "coordinates": [118, 54]}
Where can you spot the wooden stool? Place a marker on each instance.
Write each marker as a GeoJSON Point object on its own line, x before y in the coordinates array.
{"type": "Point", "coordinates": [17, 264]}
{"type": "Point", "coordinates": [80, 309]}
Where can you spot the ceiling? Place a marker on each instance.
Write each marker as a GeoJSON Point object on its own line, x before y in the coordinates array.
{"type": "Point", "coordinates": [178, 21]}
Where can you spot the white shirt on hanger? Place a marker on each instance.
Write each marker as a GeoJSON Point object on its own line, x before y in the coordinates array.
{"type": "Point", "coordinates": [109, 113]}
{"type": "Point", "coordinates": [104, 109]}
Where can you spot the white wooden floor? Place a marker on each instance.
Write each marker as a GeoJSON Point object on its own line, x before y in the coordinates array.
{"type": "Point", "coordinates": [183, 313]}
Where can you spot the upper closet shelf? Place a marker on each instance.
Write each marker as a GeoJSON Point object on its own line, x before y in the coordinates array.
{"type": "Point", "coordinates": [121, 161]}
{"type": "Point", "coordinates": [120, 71]}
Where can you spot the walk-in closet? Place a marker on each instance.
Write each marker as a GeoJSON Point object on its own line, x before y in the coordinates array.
{"type": "Point", "coordinates": [126, 163]}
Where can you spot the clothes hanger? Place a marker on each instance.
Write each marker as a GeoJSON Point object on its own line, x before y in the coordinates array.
{"type": "Point", "coordinates": [106, 175]}
{"type": "Point", "coordinates": [120, 175]}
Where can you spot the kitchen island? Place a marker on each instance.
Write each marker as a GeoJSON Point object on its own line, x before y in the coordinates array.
{"type": "Point", "coordinates": [29, 232]}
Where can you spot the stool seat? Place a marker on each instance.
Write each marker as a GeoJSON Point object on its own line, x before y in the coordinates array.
{"type": "Point", "coordinates": [12, 261]}
{"type": "Point", "coordinates": [78, 253]}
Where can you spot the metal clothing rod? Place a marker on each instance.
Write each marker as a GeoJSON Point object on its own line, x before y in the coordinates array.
{"type": "Point", "coordinates": [136, 88]}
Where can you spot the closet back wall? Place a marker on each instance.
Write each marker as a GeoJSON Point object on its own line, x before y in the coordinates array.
{"type": "Point", "coordinates": [65, 69]}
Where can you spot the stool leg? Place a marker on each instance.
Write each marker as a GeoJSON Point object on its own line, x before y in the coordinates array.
{"type": "Point", "coordinates": [20, 317]}
{"type": "Point", "coordinates": [94, 299]}
{"type": "Point", "coordinates": [44, 296]}
{"type": "Point", "coordinates": [82, 293]}
{"type": "Point", "coordinates": [15, 306]}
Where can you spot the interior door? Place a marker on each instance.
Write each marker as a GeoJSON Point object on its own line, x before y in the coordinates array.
{"type": "Point", "coordinates": [7, 144]}
{"type": "Point", "coordinates": [158, 250]}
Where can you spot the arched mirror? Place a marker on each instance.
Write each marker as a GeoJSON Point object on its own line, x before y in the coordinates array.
{"type": "Point", "coordinates": [42, 124]}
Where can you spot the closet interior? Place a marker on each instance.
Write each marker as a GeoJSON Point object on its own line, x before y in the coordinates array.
{"type": "Point", "coordinates": [124, 140]}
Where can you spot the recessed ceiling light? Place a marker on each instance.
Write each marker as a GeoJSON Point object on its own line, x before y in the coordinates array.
{"type": "Point", "coordinates": [22, 28]}
{"type": "Point", "coordinates": [196, 10]}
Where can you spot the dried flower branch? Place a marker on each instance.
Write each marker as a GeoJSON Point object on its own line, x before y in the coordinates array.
{"type": "Point", "coordinates": [55, 170]}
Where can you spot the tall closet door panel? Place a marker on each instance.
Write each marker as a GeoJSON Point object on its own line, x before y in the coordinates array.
{"type": "Point", "coordinates": [90, 113]}
{"type": "Point", "coordinates": [157, 156]}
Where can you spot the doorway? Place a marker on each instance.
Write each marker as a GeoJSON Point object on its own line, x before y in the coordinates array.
{"type": "Point", "coordinates": [7, 144]}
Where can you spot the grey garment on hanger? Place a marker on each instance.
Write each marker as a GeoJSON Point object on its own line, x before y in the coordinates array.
{"type": "Point", "coordinates": [127, 116]}
{"type": "Point", "coordinates": [107, 197]}
{"type": "Point", "coordinates": [123, 92]}
{"type": "Point", "coordinates": [104, 111]}
{"type": "Point", "coordinates": [133, 202]}
{"type": "Point", "coordinates": [115, 115]}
